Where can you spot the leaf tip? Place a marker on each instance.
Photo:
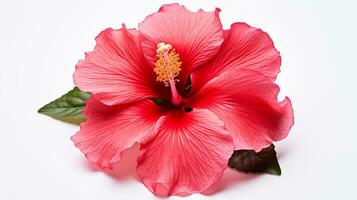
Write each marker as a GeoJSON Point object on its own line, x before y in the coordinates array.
{"type": "Point", "coordinates": [41, 110]}
{"type": "Point", "coordinates": [274, 171]}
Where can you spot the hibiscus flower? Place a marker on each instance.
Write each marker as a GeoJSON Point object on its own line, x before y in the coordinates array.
{"type": "Point", "coordinates": [185, 89]}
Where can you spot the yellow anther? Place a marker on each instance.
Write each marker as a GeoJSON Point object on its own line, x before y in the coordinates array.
{"type": "Point", "coordinates": [168, 64]}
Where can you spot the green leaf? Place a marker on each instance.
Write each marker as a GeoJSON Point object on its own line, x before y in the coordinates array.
{"type": "Point", "coordinates": [159, 101]}
{"type": "Point", "coordinates": [188, 86]}
{"type": "Point", "coordinates": [67, 108]}
{"type": "Point", "coordinates": [264, 161]}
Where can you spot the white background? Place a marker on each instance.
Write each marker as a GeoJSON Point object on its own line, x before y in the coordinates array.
{"type": "Point", "coordinates": [41, 41]}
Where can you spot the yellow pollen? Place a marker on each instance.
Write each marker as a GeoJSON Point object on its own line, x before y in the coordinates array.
{"type": "Point", "coordinates": [168, 64]}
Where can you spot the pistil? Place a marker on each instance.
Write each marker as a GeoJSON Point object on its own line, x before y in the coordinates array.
{"type": "Point", "coordinates": [167, 68]}
{"type": "Point", "coordinates": [176, 99]}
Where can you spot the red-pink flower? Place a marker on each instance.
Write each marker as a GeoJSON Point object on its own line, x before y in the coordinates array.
{"type": "Point", "coordinates": [185, 89]}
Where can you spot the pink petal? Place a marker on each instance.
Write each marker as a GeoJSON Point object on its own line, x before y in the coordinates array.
{"type": "Point", "coordinates": [109, 130]}
{"type": "Point", "coordinates": [188, 154]}
{"type": "Point", "coordinates": [244, 47]}
{"type": "Point", "coordinates": [196, 36]}
{"type": "Point", "coordinates": [246, 101]}
{"type": "Point", "coordinates": [116, 71]}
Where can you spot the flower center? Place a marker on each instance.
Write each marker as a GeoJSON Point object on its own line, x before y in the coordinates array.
{"type": "Point", "coordinates": [167, 68]}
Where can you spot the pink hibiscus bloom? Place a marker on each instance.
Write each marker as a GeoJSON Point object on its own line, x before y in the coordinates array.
{"type": "Point", "coordinates": [185, 89]}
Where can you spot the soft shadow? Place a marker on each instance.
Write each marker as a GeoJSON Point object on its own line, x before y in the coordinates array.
{"type": "Point", "coordinates": [282, 152]}
{"type": "Point", "coordinates": [124, 169]}
{"type": "Point", "coordinates": [231, 178]}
